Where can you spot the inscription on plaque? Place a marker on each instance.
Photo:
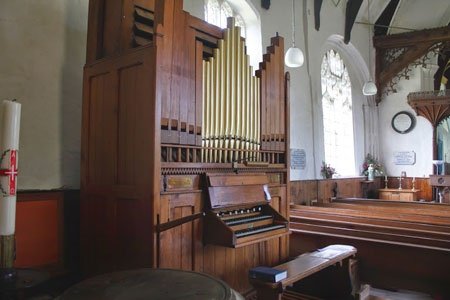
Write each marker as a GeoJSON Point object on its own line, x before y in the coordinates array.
{"type": "Point", "coordinates": [404, 157]}
{"type": "Point", "coordinates": [179, 182]}
{"type": "Point", "coordinates": [298, 159]}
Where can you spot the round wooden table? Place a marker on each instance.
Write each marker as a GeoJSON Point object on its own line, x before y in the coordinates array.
{"type": "Point", "coordinates": [155, 284]}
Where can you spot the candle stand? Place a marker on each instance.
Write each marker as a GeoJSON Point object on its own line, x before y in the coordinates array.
{"type": "Point", "coordinates": [7, 271]}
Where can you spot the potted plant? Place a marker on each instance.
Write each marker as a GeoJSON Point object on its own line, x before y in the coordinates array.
{"type": "Point", "coordinates": [371, 161]}
{"type": "Point", "coordinates": [327, 171]}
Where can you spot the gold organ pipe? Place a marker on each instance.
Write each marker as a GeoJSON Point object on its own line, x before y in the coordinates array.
{"type": "Point", "coordinates": [254, 116]}
{"type": "Point", "coordinates": [251, 120]}
{"type": "Point", "coordinates": [245, 94]}
{"type": "Point", "coordinates": [204, 108]}
{"type": "Point", "coordinates": [239, 98]}
{"type": "Point", "coordinates": [216, 105]}
{"type": "Point", "coordinates": [226, 82]}
{"type": "Point", "coordinates": [221, 97]}
{"type": "Point", "coordinates": [231, 103]}
{"type": "Point", "coordinates": [258, 118]}
{"type": "Point", "coordinates": [212, 109]}
{"type": "Point", "coordinates": [244, 116]}
{"type": "Point", "coordinates": [233, 87]}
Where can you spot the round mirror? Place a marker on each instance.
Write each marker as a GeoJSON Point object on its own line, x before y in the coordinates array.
{"type": "Point", "coordinates": [403, 122]}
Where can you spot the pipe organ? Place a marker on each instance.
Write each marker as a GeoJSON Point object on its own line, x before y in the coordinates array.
{"type": "Point", "coordinates": [178, 134]}
{"type": "Point", "coordinates": [231, 100]}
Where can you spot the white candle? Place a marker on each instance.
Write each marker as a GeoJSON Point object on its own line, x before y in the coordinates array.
{"type": "Point", "coordinates": [385, 177]}
{"type": "Point", "coordinates": [9, 145]}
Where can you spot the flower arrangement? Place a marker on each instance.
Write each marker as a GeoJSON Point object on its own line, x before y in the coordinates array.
{"type": "Point", "coordinates": [377, 167]}
{"type": "Point", "coordinates": [326, 170]}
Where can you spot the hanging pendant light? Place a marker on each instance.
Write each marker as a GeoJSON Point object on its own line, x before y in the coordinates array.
{"type": "Point", "coordinates": [294, 56]}
{"type": "Point", "coordinates": [369, 88]}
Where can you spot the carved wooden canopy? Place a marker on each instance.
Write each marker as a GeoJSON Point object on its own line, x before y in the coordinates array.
{"type": "Point", "coordinates": [397, 52]}
{"type": "Point", "coordinates": [433, 106]}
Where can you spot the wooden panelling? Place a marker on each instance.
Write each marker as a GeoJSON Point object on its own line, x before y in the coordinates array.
{"type": "Point", "coordinates": [178, 246]}
{"type": "Point", "coordinates": [97, 234]}
{"type": "Point", "coordinates": [39, 230]}
{"type": "Point", "coordinates": [106, 36]}
{"type": "Point", "coordinates": [232, 265]}
{"type": "Point", "coordinates": [133, 238]}
{"type": "Point", "coordinates": [305, 191]}
{"type": "Point", "coordinates": [116, 208]}
{"type": "Point", "coordinates": [47, 230]}
{"type": "Point", "coordinates": [102, 137]}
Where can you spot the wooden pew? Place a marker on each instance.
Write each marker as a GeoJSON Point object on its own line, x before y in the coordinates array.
{"type": "Point", "coordinates": [431, 208]}
{"type": "Point", "coordinates": [304, 266]}
{"type": "Point", "coordinates": [398, 247]}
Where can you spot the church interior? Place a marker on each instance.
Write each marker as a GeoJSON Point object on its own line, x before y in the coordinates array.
{"type": "Point", "coordinates": [173, 149]}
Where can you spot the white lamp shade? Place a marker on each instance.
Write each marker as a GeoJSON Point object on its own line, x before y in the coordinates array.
{"type": "Point", "coordinates": [369, 88]}
{"type": "Point", "coordinates": [294, 57]}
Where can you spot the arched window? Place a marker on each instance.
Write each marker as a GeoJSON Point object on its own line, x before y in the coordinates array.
{"type": "Point", "coordinates": [246, 17]}
{"type": "Point", "coordinates": [217, 12]}
{"type": "Point", "coordinates": [337, 114]}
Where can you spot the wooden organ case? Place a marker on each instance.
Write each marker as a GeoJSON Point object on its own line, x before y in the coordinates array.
{"type": "Point", "coordinates": [172, 114]}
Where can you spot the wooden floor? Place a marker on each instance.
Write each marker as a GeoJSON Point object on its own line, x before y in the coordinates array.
{"type": "Point", "coordinates": [374, 294]}
{"type": "Point", "coordinates": [379, 294]}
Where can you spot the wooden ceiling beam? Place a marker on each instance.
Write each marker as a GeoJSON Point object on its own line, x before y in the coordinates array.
{"type": "Point", "coordinates": [317, 8]}
{"type": "Point", "coordinates": [413, 38]}
{"type": "Point", "coordinates": [351, 12]}
{"type": "Point", "coordinates": [417, 44]}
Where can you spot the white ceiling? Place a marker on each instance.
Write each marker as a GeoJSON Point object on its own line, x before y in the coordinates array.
{"type": "Point", "coordinates": [410, 14]}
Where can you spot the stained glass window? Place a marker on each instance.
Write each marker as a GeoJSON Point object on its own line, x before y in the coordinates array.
{"type": "Point", "coordinates": [337, 114]}
{"type": "Point", "coordinates": [217, 12]}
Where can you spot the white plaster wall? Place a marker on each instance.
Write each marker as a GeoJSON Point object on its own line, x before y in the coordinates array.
{"type": "Point", "coordinates": [418, 140]}
{"type": "Point", "coordinates": [42, 47]}
{"type": "Point", "coordinates": [278, 19]}
{"type": "Point", "coordinates": [305, 114]}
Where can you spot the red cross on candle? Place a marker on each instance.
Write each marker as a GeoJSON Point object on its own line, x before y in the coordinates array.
{"type": "Point", "coordinates": [11, 172]}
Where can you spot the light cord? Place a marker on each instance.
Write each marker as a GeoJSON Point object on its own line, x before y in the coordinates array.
{"type": "Point", "coordinates": [368, 20]}
{"type": "Point", "coordinates": [293, 24]}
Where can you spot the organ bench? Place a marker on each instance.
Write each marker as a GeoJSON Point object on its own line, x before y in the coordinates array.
{"type": "Point", "coordinates": [306, 265]}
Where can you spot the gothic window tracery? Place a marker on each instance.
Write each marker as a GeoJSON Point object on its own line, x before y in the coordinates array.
{"type": "Point", "coordinates": [337, 114]}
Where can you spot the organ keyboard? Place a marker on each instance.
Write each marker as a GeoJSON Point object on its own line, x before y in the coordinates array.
{"type": "Point", "coordinates": [239, 213]}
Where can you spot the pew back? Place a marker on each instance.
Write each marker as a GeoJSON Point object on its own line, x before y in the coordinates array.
{"type": "Point", "coordinates": [400, 245]}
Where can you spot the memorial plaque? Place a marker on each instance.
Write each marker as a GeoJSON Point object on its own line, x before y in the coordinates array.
{"type": "Point", "coordinates": [404, 157]}
{"type": "Point", "coordinates": [298, 159]}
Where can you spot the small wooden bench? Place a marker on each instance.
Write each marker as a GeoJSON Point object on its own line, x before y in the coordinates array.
{"type": "Point", "coordinates": [302, 267]}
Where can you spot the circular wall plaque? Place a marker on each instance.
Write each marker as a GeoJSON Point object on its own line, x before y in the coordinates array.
{"type": "Point", "coordinates": [403, 122]}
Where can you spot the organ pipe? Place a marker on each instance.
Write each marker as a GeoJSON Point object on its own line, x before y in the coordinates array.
{"type": "Point", "coordinates": [231, 103]}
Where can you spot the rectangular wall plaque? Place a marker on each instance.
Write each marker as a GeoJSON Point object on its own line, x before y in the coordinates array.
{"type": "Point", "coordinates": [298, 159]}
{"type": "Point", "coordinates": [404, 157]}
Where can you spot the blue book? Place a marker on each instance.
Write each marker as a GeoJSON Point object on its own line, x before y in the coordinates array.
{"type": "Point", "coordinates": [267, 274]}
